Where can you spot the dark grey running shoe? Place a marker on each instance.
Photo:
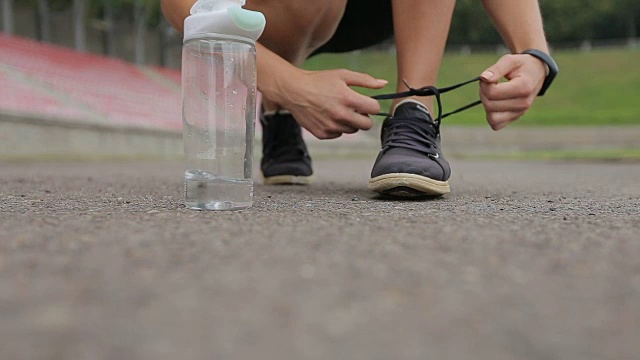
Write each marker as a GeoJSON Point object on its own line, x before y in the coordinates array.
{"type": "Point", "coordinates": [411, 163]}
{"type": "Point", "coordinates": [285, 159]}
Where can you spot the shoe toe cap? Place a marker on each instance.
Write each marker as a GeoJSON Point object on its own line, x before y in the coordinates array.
{"type": "Point", "coordinates": [287, 168]}
{"type": "Point", "coordinates": [436, 169]}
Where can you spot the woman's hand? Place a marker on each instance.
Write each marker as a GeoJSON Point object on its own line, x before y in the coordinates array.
{"type": "Point", "coordinates": [323, 102]}
{"type": "Point", "coordinates": [507, 101]}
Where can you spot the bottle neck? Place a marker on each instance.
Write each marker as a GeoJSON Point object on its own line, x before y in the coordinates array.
{"type": "Point", "coordinates": [219, 37]}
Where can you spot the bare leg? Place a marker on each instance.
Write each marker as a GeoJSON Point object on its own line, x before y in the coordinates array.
{"type": "Point", "coordinates": [323, 102]}
{"type": "Point", "coordinates": [421, 29]}
{"type": "Point", "coordinates": [294, 28]}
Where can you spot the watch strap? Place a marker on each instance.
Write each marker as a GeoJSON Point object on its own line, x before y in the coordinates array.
{"type": "Point", "coordinates": [553, 67]}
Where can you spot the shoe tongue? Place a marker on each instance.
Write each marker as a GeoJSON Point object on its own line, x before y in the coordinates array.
{"type": "Point", "coordinates": [412, 109]}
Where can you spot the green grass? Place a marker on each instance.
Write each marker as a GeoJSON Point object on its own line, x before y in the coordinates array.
{"type": "Point", "coordinates": [592, 89]}
{"type": "Point", "coordinates": [631, 155]}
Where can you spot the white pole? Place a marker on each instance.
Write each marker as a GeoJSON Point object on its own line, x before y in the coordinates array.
{"type": "Point", "coordinates": [7, 16]}
{"type": "Point", "coordinates": [44, 20]}
{"type": "Point", "coordinates": [139, 21]}
{"type": "Point", "coordinates": [110, 28]}
{"type": "Point", "coordinates": [79, 22]}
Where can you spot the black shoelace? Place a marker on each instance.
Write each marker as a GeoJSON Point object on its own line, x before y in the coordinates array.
{"type": "Point", "coordinates": [413, 134]}
{"type": "Point", "coordinates": [431, 91]}
{"type": "Point", "coordinates": [421, 134]}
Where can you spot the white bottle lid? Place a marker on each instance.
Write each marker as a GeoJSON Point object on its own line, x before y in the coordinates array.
{"type": "Point", "coordinates": [224, 18]}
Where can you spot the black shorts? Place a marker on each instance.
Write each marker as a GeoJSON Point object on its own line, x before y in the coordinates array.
{"type": "Point", "coordinates": [365, 23]}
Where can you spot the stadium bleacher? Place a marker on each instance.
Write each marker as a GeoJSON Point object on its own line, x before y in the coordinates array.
{"type": "Point", "coordinates": [49, 82]}
{"type": "Point", "coordinates": [52, 81]}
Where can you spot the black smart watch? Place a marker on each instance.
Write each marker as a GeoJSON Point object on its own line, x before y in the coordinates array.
{"type": "Point", "coordinates": [551, 64]}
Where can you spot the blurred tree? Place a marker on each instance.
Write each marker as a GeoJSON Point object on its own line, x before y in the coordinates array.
{"type": "Point", "coordinates": [565, 21]}
{"type": "Point", "coordinates": [142, 15]}
{"type": "Point", "coordinates": [571, 20]}
{"type": "Point", "coordinates": [471, 25]}
{"type": "Point", "coordinates": [109, 27]}
{"type": "Point", "coordinates": [628, 12]}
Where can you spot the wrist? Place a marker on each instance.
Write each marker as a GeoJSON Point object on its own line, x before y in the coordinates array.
{"type": "Point", "coordinates": [275, 76]}
{"type": "Point", "coordinates": [281, 85]}
{"type": "Point", "coordinates": [526, 45]}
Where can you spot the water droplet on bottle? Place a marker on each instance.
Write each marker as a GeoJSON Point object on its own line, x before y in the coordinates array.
{"type": "Point", "coordinates": [235, 92]}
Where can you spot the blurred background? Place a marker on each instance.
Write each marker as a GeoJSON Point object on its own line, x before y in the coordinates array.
{"type": "Point", "coordinates": [107, 72]}
{"type": "Point", "coordinates": [525, 260]}
{"type": "Point", "coordinates": [135, 30]}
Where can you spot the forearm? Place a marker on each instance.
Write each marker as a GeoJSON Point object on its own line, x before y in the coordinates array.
{"type": "Point", "coordinates": [519, 22]}
{"type": "Point", "coordinates": [273, 73]}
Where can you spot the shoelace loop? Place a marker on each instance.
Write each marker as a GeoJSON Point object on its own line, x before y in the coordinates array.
{"type": "Point", "coordinates": [431, 91]}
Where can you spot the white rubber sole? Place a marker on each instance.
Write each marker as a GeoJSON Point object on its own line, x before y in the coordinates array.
{"type": "Point", "coordinates": [288, 180]}
{"type": "Point", "coordinates": [408, 185]}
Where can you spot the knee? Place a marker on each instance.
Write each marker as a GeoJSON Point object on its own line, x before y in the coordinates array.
{"type": "Point", "coordinates": [175, 11]}
{"type": "Point", "coordinates": [316, 16]}
{"type": "Point", "coordinates": [320, 20]}
{"type": "Point", "coordinates": [294, 23]}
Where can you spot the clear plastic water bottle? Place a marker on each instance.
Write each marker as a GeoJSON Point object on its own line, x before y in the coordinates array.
{"type": "Point", "coordinates": [219, 102]}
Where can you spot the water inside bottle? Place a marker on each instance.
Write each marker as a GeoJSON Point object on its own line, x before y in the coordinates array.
{"type": "Point", "coordinates": [218, 123]}
{"type": "Point", "coordinates": [204, 191]}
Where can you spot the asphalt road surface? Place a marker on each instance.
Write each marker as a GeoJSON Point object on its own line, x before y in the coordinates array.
{"type": "Point", "coordinates": [524, 260]}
